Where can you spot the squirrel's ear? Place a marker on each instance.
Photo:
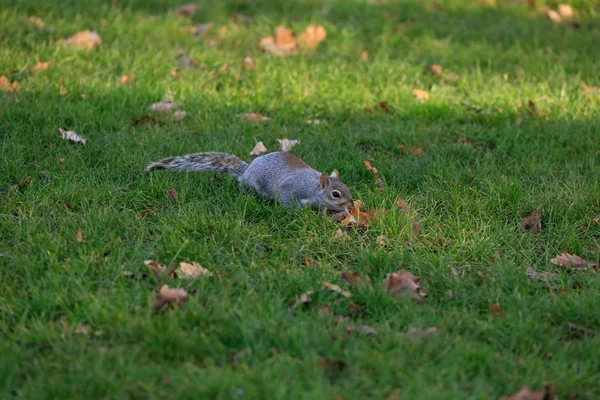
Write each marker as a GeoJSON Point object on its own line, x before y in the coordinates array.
{"type": "Point", "coordinates": [324, 180]}
{"type": "Point", "coordinates": [334, 174]}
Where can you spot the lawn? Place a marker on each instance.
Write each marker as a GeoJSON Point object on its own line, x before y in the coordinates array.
{"type": "Point", "coordinates": [507, 128]}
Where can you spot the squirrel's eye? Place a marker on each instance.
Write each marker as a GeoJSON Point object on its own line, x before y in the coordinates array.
{"type": "Point", "coordinates": [336, 194]}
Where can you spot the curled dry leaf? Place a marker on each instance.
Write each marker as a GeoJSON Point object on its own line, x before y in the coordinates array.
{"type": "Point", "coordinates": [353, 278]}
{"type": "Point", "coordinates": [378, 180]}
{"type": "Point", "coordinates": [79, 235]}
{"type": "Point", "coordinates": [311, 37]}
{"type": "Point", "coordinates": [169, 295]}
{"type": "Point", "coordinates": [72, 136]}
{"type": "Point", "coordinates": [285, 39]}
{"type": "Point", "coordinates": [572, 262]}
{"type": "Point", "coordinates": [355, 216]}
{"type": "Point", "coordinates": [336, 288]}
{"type": "Point", "coordinates": [253, 117]}
{"type": "Point", "coordinates": [127, 79]}
{"type": "Point", "coordinates": [554, 16]}
{"type": "Point", "coordinates": [186, 10]}
{"type": "Point", "coordinates": [403, 205]}
{"type": "Point", "coordinates": [540, 275]}
{"type": "Point", "coordinates": [191, 271]}
{"type": "Point", "coordinates": [287, 144]}
{"type": "Point", "coordinates": [565, 11]}
{"type": "Point", "coordinates": [155, 267]}
{"type": "Point", "coordinates": [420, 94]}
{"type": "Point", "coordinates": [549, 393]}
{"type": "Point", "coordinates": [37, 21]}
{"type": "Point", "coordinates": [402, 282]}
{"type": "Point", "coordinates": [258, 149]}
{"type": "Point", "coordinates": [178, 115]}
{"type": "Point", "coordinates": [435, 69]}
{"type": "Point", "coordinates": [40, 66]}
{"type": "Point", "coordinates": [364, 56]}
{"type": "Point", "coordinates": [87, 39]}
{"type": "Point", "coordinates": [8, 86]}
{"type": "Point", "coordinates": [163, 106]}
{"type": "Point", "coordinates": [533, 223]}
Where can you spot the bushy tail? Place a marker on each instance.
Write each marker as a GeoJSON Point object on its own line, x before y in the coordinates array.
{"type": "Point", "coordinates": [219, 162]}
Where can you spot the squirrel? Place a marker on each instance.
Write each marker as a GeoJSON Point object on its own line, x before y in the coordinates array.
{"type": "Point", "coordinates": [277, 176]}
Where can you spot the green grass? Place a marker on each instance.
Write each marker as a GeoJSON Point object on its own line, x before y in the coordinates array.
{"type": "Point", "coordinates": [470, 199]}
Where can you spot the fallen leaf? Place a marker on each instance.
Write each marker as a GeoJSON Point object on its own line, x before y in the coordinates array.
{"type": "Point", "coordinates": [191, 271]}
{"type": "Point", "coordinates": [163, 106]}
{"type": "Point", "coordinates": [178, 115]}
{"type": "Point", "coordinates": [186, 10]}
{"type": "Point", "coordinates": [597, 219]}
{"type": "Point", "coordinates": [258, 149]}
{"type": "Point", "coordinates": [248, 62]}
{"type": "Point", "coordinates": [285, 39]}
{"type": "Point", "coordinates": [572, 262]}
{"type": "Point", "coordinates": [253, 117]}
{"type": "Point", "coordinates": [146, 212]}
{"type": "Point", "coordinates": [172, 193]}
{"type": "Point", "coordinates": [311, 37]}
{"type": "Point", "coordinates": [37, 21]}
{"type": "Point", "coordinates": [72, 136]}
{"type": "Point", "coordinates": [565, 11]}
{"type": "Point", "coordinates": [527, 394]}
{"type": "Point", "coordinates": [540, 275]}
{"type": "Point", "coordinates": [378, 181]}
{"type": "Point", "coordinates": [554, 16]}
{"type": "Point", "coordinates": [382, 240]}
{"type": "Point", "coordinates": [331, 366]}
{"type": "Point", "coordinates": [87, 39]}
{"type": "Point", "coordinates": [175, 72]}
{"type": "Point", "coordinates": [184, 61]}
{"type": "Point", "coordinates": [435, 69]}
{"type": "Point", "coordinates": [269, 46]}
{"type": "Point", "coordinates": [587, 331]}
{"type": "Point", "coordinates": [354, 216]}
{"type": "Point", "coordinates": [156, 268]}
{"type": "Point", "coordinates": [420, 94]}
{"type": "Point", "coordinates": [287, 144]}
{"type": "Point", "coordinates": [589, 89]}
{"type": "Point", "coordinates": [411, 150]}
{"type": "Point", "coordinates": [304, 298]}
{"type": "Point", "coordinates": [340, 234]}
{"type": "Point", "coordinates": [533, 223]}
{"type": "Point", "coordinates": [167, 296]}
{"type": "Point", "coordinates": [364, 56]}
{"type": "Point", "coordinates": [61, 90]}
{"type": "Point", "coordinates": [40, 66]}
{"type": "Point", "coordinates": [403, 205]}
{"type": "Point", "coordinates": [127, 79]}
{"type": "Point", "coordinates": [79, 235]}
{"type": "Point", "coordinates": [495, 309]}
{"type": "Point", "coordinates": [353, 278]}
{"type": "Point", "coordinates": [8, 86]}
{"type": "Point", "coordinates": [403, 282]}
{"type": "Point", "coordinates": [336, 288]}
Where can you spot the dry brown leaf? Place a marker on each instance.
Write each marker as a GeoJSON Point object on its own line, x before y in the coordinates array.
{"type": "Point", "coordinates": [353, 278]}
{"type": "Point", "coordinates": [304, 298]}
{"type": "Point", "coordinates": [40, 66]}
{"type": "Point", "coordinates": [554, 16]}
{"type": "Point", "coordinates": [411, 150]}
{"type": "Point", "coordinates": [253, 117]}
{"type": "Point", "coordinates": [340, 234]}
{"type": "Point", "coordinates": [587, 331]}
{"type": "Point", "coordinates": [369, 167]}
{"type": "Point", "coordinates": [533, 223]}
{"type": "Point", "coordinates": [37, 21]}
{"type": "Point", "coordinates": [435, 69]}
{"type": "Point", "coordinates": [258, 149]}
{"type": "Point", "coordinates": [382, 240]}
{"type": "Point", "coordinates": [364, 56]}
{"type": "Point", "coordinates": [79, 235]}
{"type": "Point", "coordinates": [572, 262]}
{"type": "Point", "coordinates": [311, 37]}
{"type": "Point", "coordinates": [378, 181]}
{"type": "Point", "coordinates": [127, 79]}
{"type": "Point", "coordinates": [186, 10]}
{"type": "Point", "coordinates": [540, 275]}
{"type": "Point", "coordinates": [527, 394]}
{"type": "Point", "coordinates": [248, 62]}
{"type": "Point", "coordinates": [8, 86]}
{"type": "Point", "coordinates": [287, 144]}
{"type": "Point", "coordinates": [565, 11]}
{"type": "Point", "coordinates": [420, 94]}
{"type": "Point", "coordinates": [589, 89]}
{"type": "Point", "coordinates": [163, 106]}
{"type": "Point", "coordinates": [72, 136]}
{"type": "Point", "coordinates": [403, 282]}
{"type": "Point", "coordinates": [156, 268]}
{"type": "Point", "coordinates": [175, 72]}
{"type": "Point", "coordinates": [191, 271]}
{"type": "Point", "coordinates": [87, 39]}
{"type": "Point", "coordinates": [403, 205]}
{"type": "Point", "coordinates": [172, 193]}
{"type": "Point", "coordinates": [269, 46]}
{"type": "Point", "coordinates": [355, 216]}
{"type": "Point", "coordinates": [331, 366]}
{"type": "Point", "coordinates": [336, 288]}
{"type": "Point", "coordinates": [495, 309]}
{"type": "Point", "coordinates": [167, 296]}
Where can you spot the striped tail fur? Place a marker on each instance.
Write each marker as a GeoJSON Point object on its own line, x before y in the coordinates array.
{"type": "Point", "coordinates": [220, 162]}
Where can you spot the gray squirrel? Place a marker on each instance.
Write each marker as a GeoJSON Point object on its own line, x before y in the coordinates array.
{"type": "Point", "coordinates": [278, 175]}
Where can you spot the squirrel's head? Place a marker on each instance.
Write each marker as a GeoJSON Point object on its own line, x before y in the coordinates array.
{"type": "Point", "coordinates": [334, 193]}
